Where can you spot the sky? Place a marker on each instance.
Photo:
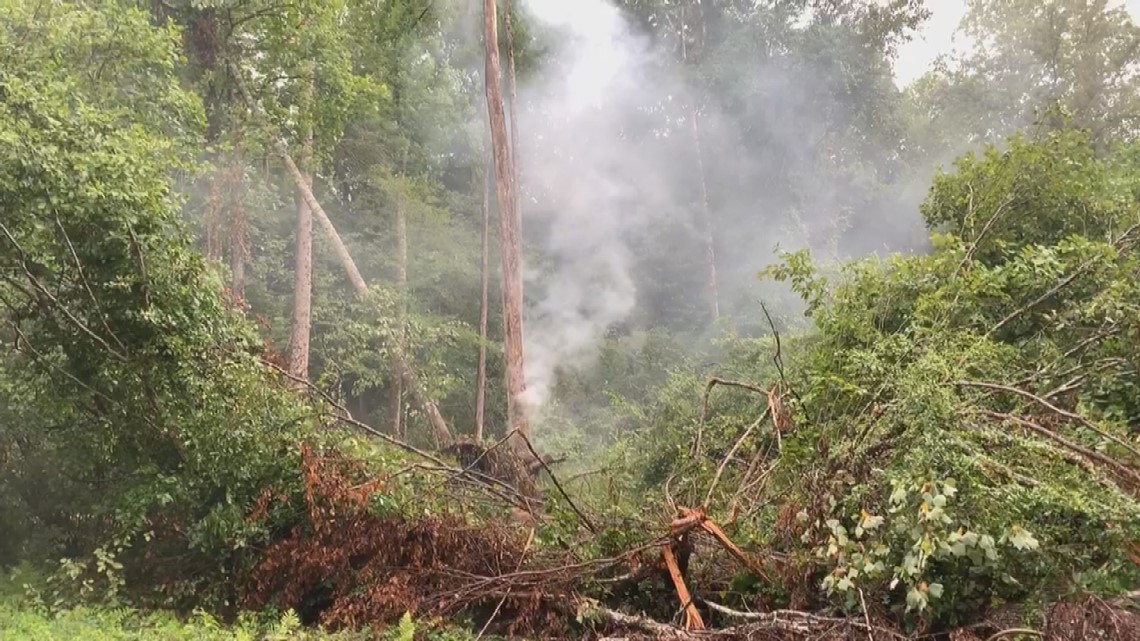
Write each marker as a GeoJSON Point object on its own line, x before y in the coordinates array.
{"type": "Point", "coordinates": [937, 36]}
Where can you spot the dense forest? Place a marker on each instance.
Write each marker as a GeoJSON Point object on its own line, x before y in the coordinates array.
{"type": "Point", "coordinates": [454, 319]}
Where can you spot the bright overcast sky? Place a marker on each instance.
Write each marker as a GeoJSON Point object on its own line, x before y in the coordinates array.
{"type": "Point", "coordinates": [937, 36]}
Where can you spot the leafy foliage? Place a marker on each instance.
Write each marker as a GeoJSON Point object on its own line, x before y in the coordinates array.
{"type": "Point", "coordinates": [947, 431]}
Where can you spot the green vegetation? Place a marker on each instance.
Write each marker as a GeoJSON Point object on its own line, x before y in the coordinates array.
{"type": "Point", "coordinates": [905, 443]}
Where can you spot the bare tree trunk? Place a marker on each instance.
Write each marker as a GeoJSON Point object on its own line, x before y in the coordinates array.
{"type": "Point", "coordinates": [706, 225]}
{"type": "Point", "coordinates": [237, 256]}
{"type": "Point", "coordinates": [510, 240]}
{"type": "Point", "coordinates": [239, 235]}
{"type": "Point", "coordinates": [481, 373]}
{"type": "Point", "coordinates": [303, 256]}
{"type": "Point", "coordinates": [403, 369]}
{"type": "Point", "coordinates": [359, 287]}
{"type": "Point", "coordinates": [512, 97]}
{"type": "Point", "coordinates": [214, 216]}
{"type": "Point", "coordinates": [396, 404]}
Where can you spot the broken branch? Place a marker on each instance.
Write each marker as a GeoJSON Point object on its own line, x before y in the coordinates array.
{"type": "Point", "coordinates": [1053, 408]}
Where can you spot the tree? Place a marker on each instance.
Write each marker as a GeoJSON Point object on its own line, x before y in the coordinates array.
{"type": "Point", "coordinates": [512, 108]}
{"type": "Point", "coordinates": [483, 185]}
{"type": "Point", "coordinates": [159, 404]}
{"type": "Point", "coordinates": [301, 318]}
{"type": "Point", "coordinates": [510, 238]}
{"type": "Point", "coordinates": [1057, 63]}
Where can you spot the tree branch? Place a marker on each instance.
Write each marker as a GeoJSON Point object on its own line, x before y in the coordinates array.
{"type": "Point", "coordinates": [1069, 445]}
{"type": "Point", "coordinates": [1067, 414]}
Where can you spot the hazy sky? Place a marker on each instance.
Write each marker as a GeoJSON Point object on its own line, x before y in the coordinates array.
{"type": "Point", "coordinates": [937, 36]}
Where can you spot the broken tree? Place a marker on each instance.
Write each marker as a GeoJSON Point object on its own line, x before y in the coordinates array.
{"type": "Point", "coordinates": [510, 237]}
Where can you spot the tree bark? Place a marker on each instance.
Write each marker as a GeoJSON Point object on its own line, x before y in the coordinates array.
{"type": "Point", "coordinates": [512, 98]}
{"type": "Point", "coordinates": [359, 287]}
{"type": "Point", "coordinates": [713, 290]}
{"type": "Point", "coordinates": [237, 257]}
{"type": "Point", "coordinates": [239, 235]}
{"type": "Point", "coordinates": [481, 371]}
{"type": "Point", "coordinates": [396, 404]}
{"type": "Point", "coordinates": [303, 252]}
{"type": "Point", "coordinates": [510, 240]}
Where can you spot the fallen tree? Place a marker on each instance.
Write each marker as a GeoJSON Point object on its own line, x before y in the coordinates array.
{"type": "Point", "coordinates": [359, 287]}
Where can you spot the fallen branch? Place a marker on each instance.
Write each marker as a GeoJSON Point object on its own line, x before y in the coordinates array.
{"type": "Point", "coordinates": [1063, 412]}
{"type": "Point", "coordinates": [699, 519]}
{"type": "Point", "coordinates": [735, 551]}
{"type": "Point", "coordinates": [581, 515]}
{"type": "Point", "coordinates": [488, 483]}
{"type": "Point", "coordinates": [45, 294]}
{"type": "Point", "coordinates": [1069, 445]}
{"type": "Point", "coordinates": [87, 284]}
{"type": "Point", "coordinates": [659, 630]}
{"type": "Point", "coordinates": [1121, 242]}
{"type": "Point", "coordinates": [503, 599]}
{"type": "Point", "coordinates": [695, 451]}
{"type": "Point", "coordinates": [1012, 631]}
{"type": "Point", "coordinates": [787, 621]}
{"type": "Point", "coordinates": [731, 453]}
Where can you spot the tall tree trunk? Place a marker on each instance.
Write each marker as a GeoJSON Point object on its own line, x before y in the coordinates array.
{"type": "Point", "coordinates": [510, 240]}
{"type": "Point", "coordinates": [237, 256]}
{"type": "Point", "coordinates": [485, 277]}
{"type": "Point", "coordinates": [713, 290]}
{"type": "Point", "coordinates": [214, 248]}
{"type": "Point", "coordinates": [303, 257]}
{"type": "Point", "coordinates": [403, 369]}
{"type": "Point", "coordinates": [512, 98]}
{"type": "Point", "coordinates": [239, 234]}
{"type": "Point", "coordinates": [396, 404]}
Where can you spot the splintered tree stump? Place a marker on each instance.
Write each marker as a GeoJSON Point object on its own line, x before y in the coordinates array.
{"type": "Point", "coordinates": [693, 620]}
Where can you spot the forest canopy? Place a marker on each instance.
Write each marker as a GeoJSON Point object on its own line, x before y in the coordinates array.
{"type": "Point", "coordinates": [430, 319]}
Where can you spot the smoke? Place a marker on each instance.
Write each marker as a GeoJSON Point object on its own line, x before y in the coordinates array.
{"type": "Point", "coordinates": [586, 196]}
{"type": "Point", "coordinates": [612, 191]}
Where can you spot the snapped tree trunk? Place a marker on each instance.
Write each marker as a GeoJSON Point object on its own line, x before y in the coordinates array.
{"type": "Point", "coordinates": [359, 287]}
{"type": "Point", "coordinates": [303, 252]}
{"type": "Point", "coordinates": [403, 369]}
{"type": "Point", "coordinates": [510, 240]}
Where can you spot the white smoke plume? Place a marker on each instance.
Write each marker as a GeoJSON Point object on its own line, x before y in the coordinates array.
{"type": "Point", "coordinates": [612, 192]}
{"type": "Point", "coordinates": [583, 198]}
